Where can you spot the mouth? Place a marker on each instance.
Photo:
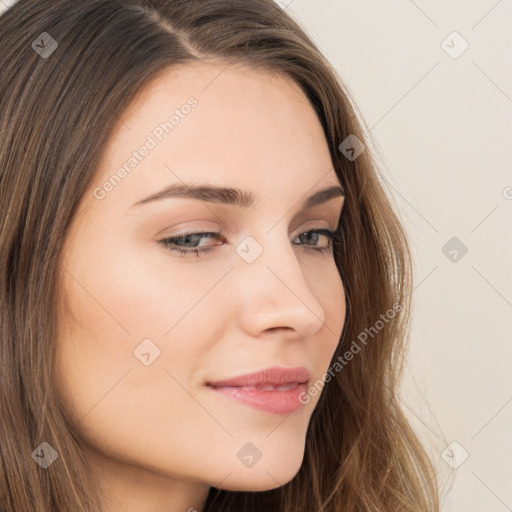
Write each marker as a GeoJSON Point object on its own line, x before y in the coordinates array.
{"type": "Point", "coordinates": [274, 390]}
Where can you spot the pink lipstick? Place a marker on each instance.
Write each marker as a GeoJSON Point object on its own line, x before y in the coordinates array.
{"type": "Point", "coordinates": [275, 390]}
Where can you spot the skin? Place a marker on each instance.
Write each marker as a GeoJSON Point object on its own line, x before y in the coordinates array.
{"type": "Point", "coordinates": [157, 438]}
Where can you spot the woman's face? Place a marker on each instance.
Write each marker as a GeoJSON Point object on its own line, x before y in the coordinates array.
{"type": "Point", "coordinates": [146, 327]}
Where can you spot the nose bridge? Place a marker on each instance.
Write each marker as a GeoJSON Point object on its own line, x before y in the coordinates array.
{"type": "Point", "coordinates": [273, 291]}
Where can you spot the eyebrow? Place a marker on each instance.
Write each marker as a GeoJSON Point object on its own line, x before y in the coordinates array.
{"type": "Point", "coordinates": [232, 196]}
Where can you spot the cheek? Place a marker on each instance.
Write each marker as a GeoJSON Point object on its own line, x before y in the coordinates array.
{"type": "Point", "coordinates": [136, 291]}
{"type": "Point", "coordinates": [112, 309]}
{"type": "Point", "coordinates": [125, 302]}
{"type": "Point", "coordinates": [327, 286]}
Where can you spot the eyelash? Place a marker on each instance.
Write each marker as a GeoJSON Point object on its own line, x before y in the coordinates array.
{"type": "Point", "coordinates": [168, 242]}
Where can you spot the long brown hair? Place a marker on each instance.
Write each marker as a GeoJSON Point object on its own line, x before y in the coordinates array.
{"type": "Point", "coordinates": [57, 112]}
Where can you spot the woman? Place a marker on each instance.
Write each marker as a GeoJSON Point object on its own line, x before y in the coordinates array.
{"type": "Point", "coordinates": [205, 290]}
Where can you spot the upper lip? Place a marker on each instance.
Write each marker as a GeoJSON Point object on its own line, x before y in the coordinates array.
{"type": "Point", "coordinates": [273, 376]}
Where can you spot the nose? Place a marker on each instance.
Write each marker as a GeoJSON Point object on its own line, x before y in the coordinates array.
{"type": "Point", "coordinates": [272, 292]}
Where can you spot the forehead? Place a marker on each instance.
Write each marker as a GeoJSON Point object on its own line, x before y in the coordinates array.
{"type": "Point", "coordinates": [229, 125]}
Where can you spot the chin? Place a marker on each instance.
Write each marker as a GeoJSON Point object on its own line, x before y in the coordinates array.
{"type": "Point", "coordinates": [263, 478]}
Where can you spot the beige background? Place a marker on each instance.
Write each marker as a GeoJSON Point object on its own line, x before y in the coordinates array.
{"type": "Point", "coordinates": [443, 127]}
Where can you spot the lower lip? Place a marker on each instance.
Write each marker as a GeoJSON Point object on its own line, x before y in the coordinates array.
{"type": "Point", "coordinates": [275, 402]}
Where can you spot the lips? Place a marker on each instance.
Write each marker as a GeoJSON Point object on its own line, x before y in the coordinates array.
{"type": "Point", "coordinates": [270, 378]}
{"type": "Point", "coordinates": [273, 390]}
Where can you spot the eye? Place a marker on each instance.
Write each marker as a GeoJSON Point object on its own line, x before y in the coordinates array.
{"type": "Point", "coordinates": [332, 237]}
{"type": "Point", "coordinates": [186, 242]}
